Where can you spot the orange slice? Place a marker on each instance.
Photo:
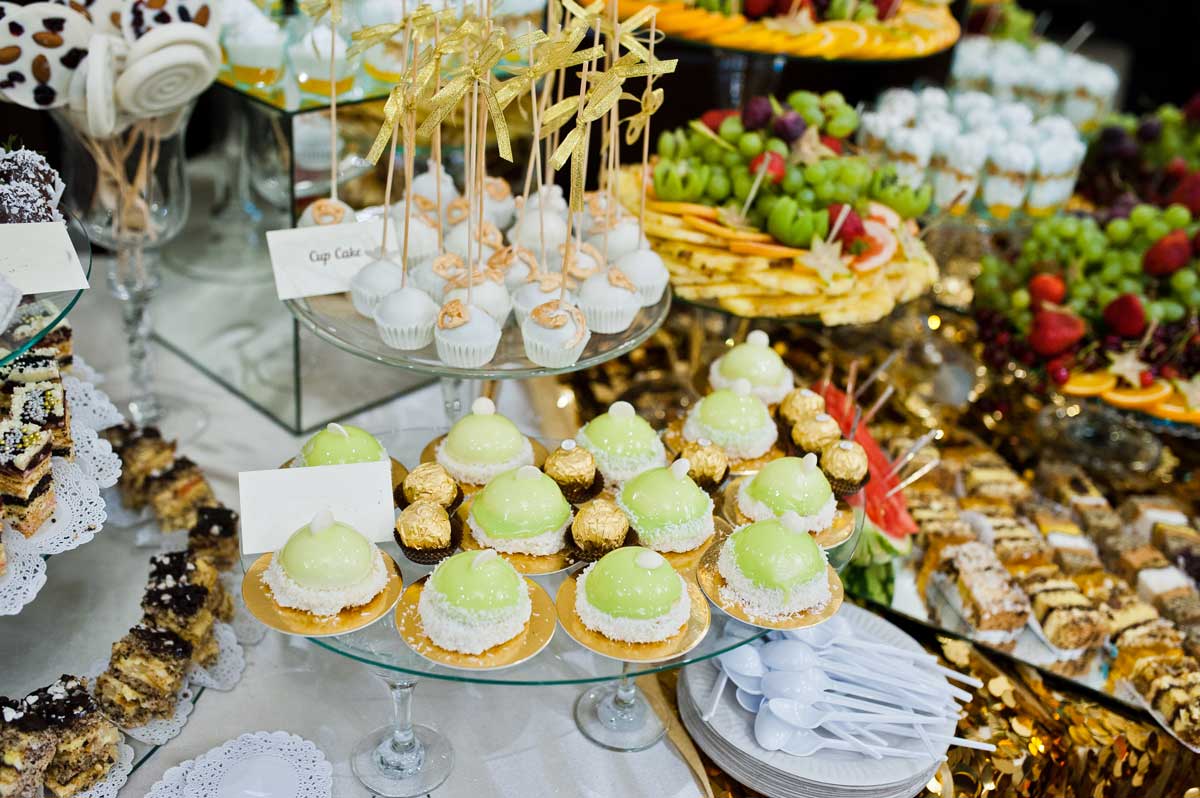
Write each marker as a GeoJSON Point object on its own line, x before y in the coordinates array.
{"type": "Point", "coordinates": [1089, 384]}
{"type": "Point", "coordinates": [765, 250]}
{"type": "Point", "coordinates": [1173, 408]}
{"type": "Point", "coordinates": [847, 37]}
{"type": "Point", "coordinates": [1137, 398]}
{"type": "Point", "coordinates": [683, 209]}
{"type": "Point", "coordinates": [721, 231]}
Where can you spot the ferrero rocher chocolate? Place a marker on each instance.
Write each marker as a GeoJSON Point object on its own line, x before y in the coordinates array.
{"type": "Point", "coordinates": [815, 433]}
{"type": "Point", "coordinates": [799, 404]}
{"type": "Point", "coordinates": [599, 527]}
{"type": "Point", "coordinates": [431, 482]}
{"type": "Point", "coordinates": [423, 525]}
{"type": "Point", "coordinates": [708, 465]}
{"type": "Point", "coordinates": [574, 469]}
{"type": "Point", "coordinates": [845, 465]}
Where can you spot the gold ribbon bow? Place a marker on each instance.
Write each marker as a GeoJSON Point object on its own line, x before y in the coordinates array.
{"type": "Point", "coordinates": [318, 8]}
{"type": "Point", "coordinates": [652, 100]}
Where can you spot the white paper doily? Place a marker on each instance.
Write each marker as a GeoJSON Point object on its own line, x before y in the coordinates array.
{"type": "Point", "coordinates": [111, 784]}
{"type": "Point", "coordinates": [249, 630]}
{"type": "Point", "coordinates": [291, 765]}
{"type": "Point", "coordinates": [81, 369]}
{"type": "Point", "coordinates": [156, 732]}
{"type": "Point", "coordinates": [171, 783]}
{"type": "Point", "coordinates": [79, 512]}
{"type": "Point", "coordinates": [23, 577]}
{"type": "Point", "coordinates": [89, 405]}
{"type": "Point", "coordinates": [121, 516]}
{"type": "Point", "coordinates": [225, 673]}
{"type": "Point", "coordinates": [95, 456]}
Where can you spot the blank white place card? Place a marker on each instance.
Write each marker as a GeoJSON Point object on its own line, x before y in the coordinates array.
{"type": "Point", "coordinates": [38, 257]}
{"type": "Point", "coordinates": [314, 261]}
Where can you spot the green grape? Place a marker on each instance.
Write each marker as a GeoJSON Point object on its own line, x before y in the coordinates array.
{"type": "Point", "coordinates": [806, 197]}
{"type": "Point", "coordinates": [696, 142]}
{"type": "Point", "coordinates": [1142, 215]}
{"type": "Point", "coordinates": [742, 180]}
{"type": "Point", "coordinates": [844, 193]}
{"type": "Point", "coordinates": [718, 187]}
{"type": "Point", "coordinates": [842, 123]}
{"type": "Point", "coordinates": [832, 99]}
{"type": "Point", "coordinates": [1092, 249]}
{"type": "Point", "coordinates": [712, 152]}
{"type": "Point", "coordinates": [866, 13]}
{"type": "Point", "coordinates": [1192, 300]}
{"type": "Point", "coordinates": [1177, 216]}
{"type": "Point", "coordinates": [1066, 226]}
{"type": "Point", "coordinates": [1083, 290]}
{"type": "Point", "coordinates": [813, 116]}
{"type": "Point", "coordinates": [1078, 304]}
{"type": "Point", "coordinates": [856, 172]}
{"type": "Point", "coordinates": [666, 144]}
{"type": "Point", "coordinates": [803, 99]}
{"type": "Point", "coordinates": [1132, 264]}
{"type": "Point", "coordinates": [1184, 281]}
{"type": "Point", "coordinates": [1119, 230]}
{"type": "Point", "coordinates": [731, 128]}
{"type": "Point", "coordinates": [1171, 310]}
{"type": "Point", "coordinates": [1030, 249]}
{"type": "Point", "coordinates": [750, 145]}
{"type": "Point", "coordinates": [1105, 295]}
{"type": "Point", "coordinates": [1155, 311]}
{"type": "Point", "coordinates": [1043, 232]}
{"type": "Point", "coordinates": [1157, 229]}
{"type": "Point", "coordinates": [1129, 285]}
{"type": "Point", "coordinates": [778, 145]}
{"type": "Point", "coordinates": [1089, 226]}
{"type": "Point", "coordinates": [793, 180]}
{"type": "Point", "coordinates": [1023, 321]}
{"type": "Point", "coordinates": [765, 202]}
{"type": "Point", "coordinates": [824, 191]}
{"type": "Point", "coordinates": [1020, 299]}
{"type": "Point", "coordinates": [732, 159]}
{"type": "Point", "coordinates": [817, 172]}
{"type": "Point", "coordinates": [1111, 273]}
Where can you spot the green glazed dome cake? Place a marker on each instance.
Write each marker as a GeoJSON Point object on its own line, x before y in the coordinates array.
{"type": "Point", "coordinates": [633, 595]}
{"type": "Point", "coordinates": [326, 567]}
{"type": "Point", "coordinates": [667, 509]}
{"type": "Point", "coordinates": [483, 445]}
{"type": "Point", "coordinates": [756, 362]}
{"type": "Point", "coordinates": [522, 511]}
{"type": "Point", "coordinates": [474, 601]}
{"type": "Point", "coordinates": [789, 484]}
{"type": "Point", "coordinates": [734, 419]}
{"type": "Point", "coordinates": [341, 444]}
{"type": "Point", "coordinates": [623, 443]}
{"type": "Point", "coordinates": [773, 569]}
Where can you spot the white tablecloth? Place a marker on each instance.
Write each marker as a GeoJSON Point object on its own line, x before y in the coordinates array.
{"type": "Point", "coordinates": [508, 741]}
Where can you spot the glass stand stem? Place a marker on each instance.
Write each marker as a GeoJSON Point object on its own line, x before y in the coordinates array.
{"type": "Point", "coordinates": [457, 396]}
{"type": "Point", "coordinates": [133, 279]}
{"type": "Point", "coordinates": [402, 753]}
{"type": "Point", "coordinates": [615, 715]}
{"type": "Point", "coordinates": [623, 709]}
{"type": "Point", "coordinates": [402, 759]}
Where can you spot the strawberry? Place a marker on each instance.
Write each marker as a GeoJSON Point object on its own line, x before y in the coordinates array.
{"type": "Point", "coordinates": [1046, 288]}
{"type": "Point", "coordinates": [755, 9]}
{"type": "Point", "coordinates": [776, 167]}
{"type": "Point", "coordinates": [1188, 191]}
{"type": "Point", "coordinates": [1196, 243]}
{"type": "Point", "coordinates": [713, 119]}
{"type": "Point", "coordinates": [1191, 111]}
{"type": "Point", "coordinates": [1168, 254]}
{"type": "Point", "coordinates": [852, 226]}
{"type": "Point", "coordinates": [1054, 332]}
{"type": "Point", "coordinates": [783, 8]}
{"type": "Point", "coordinates": [1176, 168]}
{"type": "Point", "coordinates": [832, 143]}
{"type": "Point", "coordinates": [884, 9]}
{"type": "Point", "coordinates": [1126, 316]}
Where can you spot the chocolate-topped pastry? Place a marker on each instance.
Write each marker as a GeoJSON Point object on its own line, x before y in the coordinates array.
{"type": "Point", "coordinates": [799, 404]}
{"type": "Point", "coordinates": [177, 492]}
{"type": "Point", "coordinates": [814, 433]}
{"type": "Point", "coordinates": [845, 464]}
{"type": "Point", "coordinates": [26, 486]}
{"type": "Point", "coordinates": [185, 568]}
{"type": "Point", "coordinates": [45, 404]}
{"type": "Point", "coordinates": [429, 482]}
{"type": "Point", "coordinates": [183, 608]}
{"type": "Point", "coordinates": [426, 533]}
{"type": "Point", "coordinates": [32, 318]}
{"type": "Point", "coordinates": [22, 202]}
{"type": "Point", "coordinates": [88, 743]}
{"type": "Point", "coordinates": [27, 746]}
{"type": "Point", "coordinates": [599, 527]}
{"type": "Point", "coordinates": [31, 167]}
{"type": "Point", "coordinates": [146, 672]}
{"type": "Point", "coordinates": [708, 465]}
{"type": "Point", "coordinates": [215, 536]}
{"type": "Point", "coordinates": [573, 468]}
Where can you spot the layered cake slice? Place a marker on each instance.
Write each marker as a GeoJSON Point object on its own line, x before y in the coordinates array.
{"type": "Point", "coordinates": [995, 482]}
{"type": "Point", "coordinates": [215, 536]}
{"type": "Point", "coordinates": [142, 452]}
{"type": "Point", "coordinates": [1172, 686]}
{"type": "Point", "coordinates": [26, 486]}
{"type": "Point", "coordinates": [176, 492]}
{"type": "Point", "coordinates": [88, 744]}
{"type": "Point", "coordinates": [1142, 513]}
{"type": "Point", "coordinates": [184, 610]}
{"type": "Point", "coordinates": [45, 404]}
{"type": "Point", "coordinates": [982, 592]}
{"type": "Point", "coordinates": [31, 319]}
{"type": "Point", "coordinates": [1067, 617]}
{"type": "Point", "coordinates": [184, 568]}
{"type": "Point", "coordinates": [36, 365]}
{"type": "Point", "coordinates": [146, 672]}
{"type": "Point", "coordinates": [1067, 484]}
{"type": "Point", "coordinates": [26, 748]}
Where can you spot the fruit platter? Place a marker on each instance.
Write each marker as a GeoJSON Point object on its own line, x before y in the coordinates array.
{"type": "Point", "coordinates": [869, 30]}
{"type": "Point", "coordinates": [765, 212]}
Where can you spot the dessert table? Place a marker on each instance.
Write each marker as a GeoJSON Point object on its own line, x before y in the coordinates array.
{"type": "Point", "coordinates": [523, 747]}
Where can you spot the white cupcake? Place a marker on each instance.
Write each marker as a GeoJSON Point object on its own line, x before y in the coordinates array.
{"type": "Point", "coordinates": [901, 104]}
{"type": "Point", "coordinates": [956, 181]}
{"type": "Point", "coordinates": [910, 150]}
{"type": "Point", "coordinates": [964, 102]}
{"type": "Point", "coordinates": [486, 292]}
{"type": "Point", "coordinates": [311, 143]}
{"type": "Point", "coordinates": [255, 49]}
{"type": "Point", "coordinates": [517, 264]}
{"type": "Point", "coordinates": [422, 238]}
{"type": "Point", "coordinates": [582, 261]}
{"type": "Point", "coordinates": [555, 334]}
{"type": "Point", "coordinates": [1014, 115]}
{"type": "Point", "coordinates": [456, 241]}
{"type": "Point", "coordinates": [618, 237]}
{"type": "Point", "coordinates": [499, 207]}
{"type": "Point", "coordinates": [405, 318]}
{"type": "Point", "coordinates": [873, 130]}
{"type": "Point", "coordinates": [1006, 178]}
{"type": "Point", "coordinates": [1089, 90]}
{"type": "Point", "coordinates": [550, 196]}
{"type": "Point", "coordinates": [425, 185]}
{"type": "Point", "coordinates": [310, 58]}
{"type": "Point", "coordinates": [1055, 126]}
{"type": "Point", "coordinates": [372, 283]}
{"type": "Point", "coordinates": [466, 335]}
{"type": "Point", "coordinates": [1058, 162]}
{"type": "Point", "coordinates": [326, 211]}
{"type": "Point", "coordinates": [596, 212]}
{"type": "Point", "coordinates": [609, 301]}
{"type": "Point", "coordinates": [646, 271]}
{"type": "Point", "coordinates": [931, 98]}
{"type": "Point", "coordinates": [971, 70]}
{"type": "Point", "coordinates": [533, 228]}
{"type": "Point", "coordinates": [545, 289]}
{"type": "Point", "coordinates": [433, 276]}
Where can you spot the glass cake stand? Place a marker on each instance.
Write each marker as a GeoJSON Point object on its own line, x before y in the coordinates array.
{"type": "Point", "coordinates": [57, 304]}
{"type": "Point", "coordinates": [333, 319]}
{"type": "Point", "coordinates": [404, 759]}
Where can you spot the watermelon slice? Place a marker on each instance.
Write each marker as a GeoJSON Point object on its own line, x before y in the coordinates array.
{"type": "Point", "coordinates": [884, 214]}
{"type": "Point", "coordinates": [889, 513]}
{"type": "Point", "coordinates": [881, 247]}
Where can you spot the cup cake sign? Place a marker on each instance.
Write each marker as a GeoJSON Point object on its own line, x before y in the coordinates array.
{"type": "Point", "coordinates": [319, 260]}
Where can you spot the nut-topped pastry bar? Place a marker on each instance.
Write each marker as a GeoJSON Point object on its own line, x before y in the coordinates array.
{"type": "Point", "coordinates": [982, 592]}
{"type": "Point", "coordinates": [45, 404]}
{"type": "Point", "coordinates": [143, 451]}
{"type": "Point", "coordinates": [26, 747]}
{"type": "Point", "coordinates": [215, 536]}
{"type": "Point", "coordinates": [176, 493]}
{"type": "Point", "coordinates": [147, 670]}
{"type": "Point", "coordinates": [26, 486]}
{"type": "Point", "coordinates": [87, 743]}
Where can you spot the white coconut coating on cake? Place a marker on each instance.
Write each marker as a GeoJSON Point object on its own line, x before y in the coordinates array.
{"type": "Point", "coordinates": [755, 510]}
{"type": "Point", "coordinates": [471, 631]}
{"type": "Point", "coordinates": [770, 394]}
{"type": "Point", "coordinates": [549, 542]}
{"type": "Point", "coordinates": [288, 593]}
{"type": "Point", "coordinates": [618, 469]}
{"type": "Point", "coordinates": [741, 446]}
{"type": "Point", "coordinates": [768, 603]}
{"type": "Point", "coordinates": [683, 536]}
{"type": "Point", "coordinates": [482, 473]}
{"type": "Point", "coordinates": [632, 630]}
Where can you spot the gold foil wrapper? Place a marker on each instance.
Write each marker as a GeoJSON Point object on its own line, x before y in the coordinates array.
{"type": "Point", "coordinates": [814, 434]}
{"type": "Point", "coordinates": [800, 404]}
{"type": "Point", "coordinates": [844, 460]}
{"type": "Point", "coordinates": [424, 525]}
{"type": "Point", "coordinates": [599, 524]}
{"type": "Point", "coordinates": [575, 468]}
{"type": "Point", "coordinates": [430, 482]}
{"type": "Point", "coordinates": [707, 463]}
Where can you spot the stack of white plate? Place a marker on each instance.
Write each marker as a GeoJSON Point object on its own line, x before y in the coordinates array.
{"type": "Point", "coordinates": [728, 739]}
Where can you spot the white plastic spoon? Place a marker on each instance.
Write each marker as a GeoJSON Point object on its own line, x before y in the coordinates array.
{"type": "Point", "coordinates": [794, 655]}
{"type": "Point", "coordinates": [806, 743]}
{"type": "Point", "coordinates": [805, 717]}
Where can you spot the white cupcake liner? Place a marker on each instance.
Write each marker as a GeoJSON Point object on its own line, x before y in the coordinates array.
{"type": "Point", "coordinates": [365, 301]}
{"type": "Point", "coordinates": [553, 356]}
{"type": "Point", "coordinates": [412, 336]}
{"type": "Point", "coordinates": [465, 354]}
{"type": "Point", "coordinates": [652, 292]}
{"type": "Point", "coordinates": [608, 319]}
